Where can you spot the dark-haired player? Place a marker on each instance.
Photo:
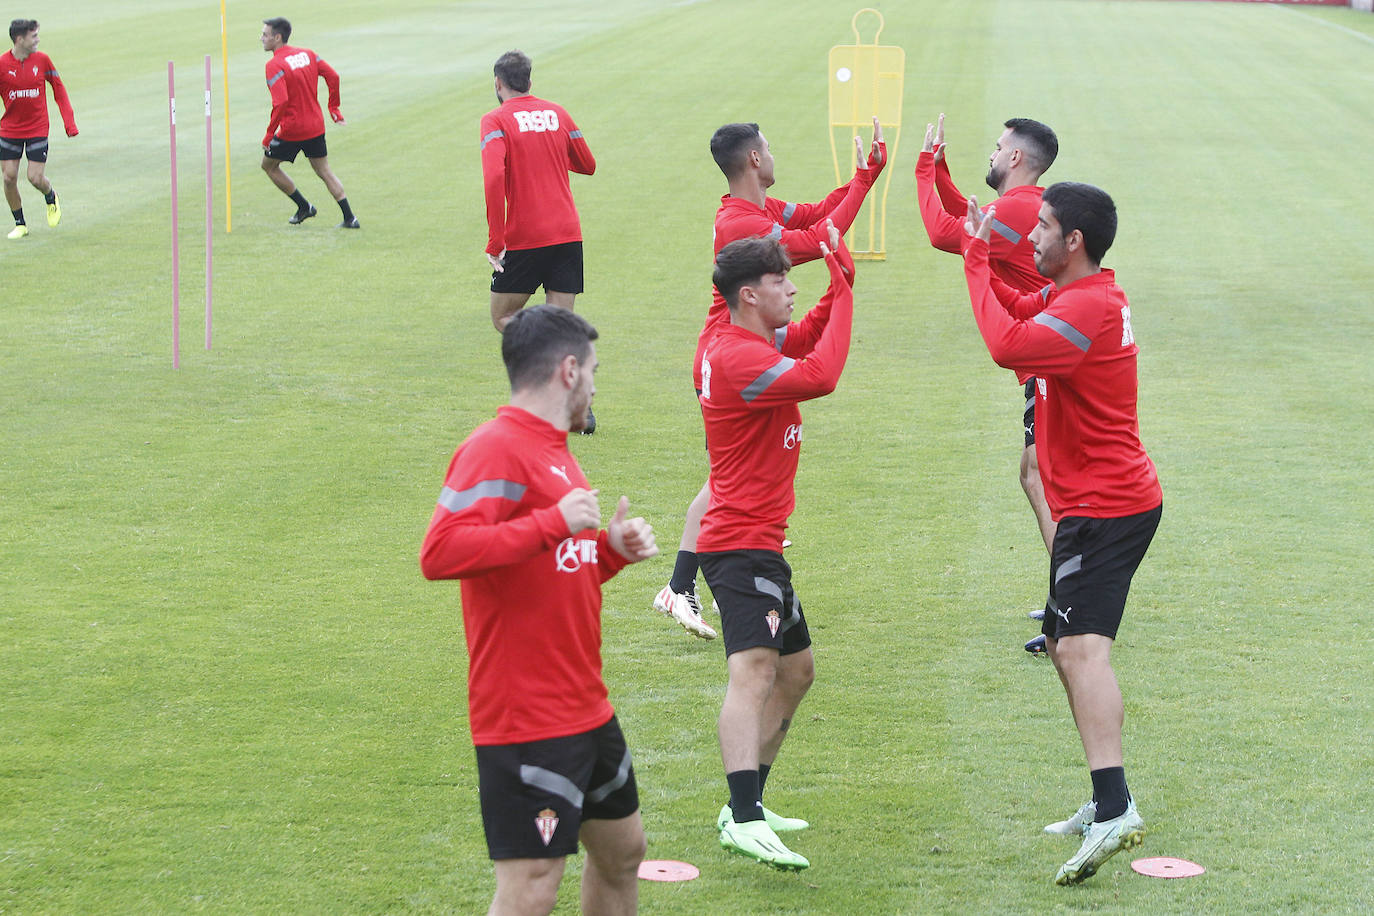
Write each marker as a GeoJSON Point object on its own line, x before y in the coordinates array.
{"type": "Point", "coordinates": [24, 127]}
{"type": "Point", "coordinates": [1023, 153]}
{"type": "Point", "coordinates": [1076, 338]}
{"type": "Point", "coordinates": [297, 124]}
{"type": "Point", "coordinates": [746, 210]}
{"type": "Point", "coordinates": [517, 523]}
{"type": "Point", "coordinates": [755, 370]}
{"type": "Point", "coordinates": [534, 236]}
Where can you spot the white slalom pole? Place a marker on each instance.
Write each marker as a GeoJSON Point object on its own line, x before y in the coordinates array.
{"type": "Point", "coordinates": [209, 209]}
{"type": "Point", "coordinates": [176, 253]}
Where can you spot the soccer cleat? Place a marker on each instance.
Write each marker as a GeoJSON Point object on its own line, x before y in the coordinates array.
{"type": "Point", "coordinates": [757, 841]}
{"type": "Point", "coordinates": [301, 216]}
{"type": "Point", "coordinates": [779, 823]}
{"type": "Point", "coordinates": [685, 609]}
{"type": "Point", "coordinates": [349, 223]}
{"type": "Point", "coordinates": [1036, 646]}
{"type": "Point", "coordinates": [1076, 823]}
{"type": "Point", "coordinates": [1101, 841]}
{"type": "Point", "coordinates": [786, 543]}
{"type": "Point", "coordinates": [590, 427]}
{"type": "Point", "coordinates": [18, 232]}
{"type": "Point", "coordinates": [1037, 614]}
{"type": "Point", "coordinates": [54, 211]}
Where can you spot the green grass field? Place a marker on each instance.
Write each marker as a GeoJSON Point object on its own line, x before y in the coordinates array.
{"type": "Point", "coordinates": [224, 686]}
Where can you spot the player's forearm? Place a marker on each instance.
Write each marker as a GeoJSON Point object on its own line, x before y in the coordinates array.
{"type": "Point", "coordinates": [1023, 345]}
{"type": "Point", "coordinates": [64, 102]}
{"type": "Point", "coordinates": [944, 231]}
{"type": "Point", "coordinates": [580, 156]}
{"type": "Point", "coordinates": [458, 548]}
{"type": "Point", "coordinates": [494, 187]}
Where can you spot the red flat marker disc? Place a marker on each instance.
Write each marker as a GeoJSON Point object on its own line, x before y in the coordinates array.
{"type": "Point", "coordinates": [667, 870]}
{"type": "Point", "coordinates": [1166, 867]}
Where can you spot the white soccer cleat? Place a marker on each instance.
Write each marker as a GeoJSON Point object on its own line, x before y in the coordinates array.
{"type": "Point", "coordinates": [685, 609]}
{"type": "Point", "coordinates": [1076, 823]}
{"type": "Point", "coordinates": [1101, 841]}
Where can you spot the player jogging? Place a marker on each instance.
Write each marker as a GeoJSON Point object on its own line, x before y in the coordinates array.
{"type": "Point", "coordinates": [1076, 338]}
{"type": "Point", "coordinates": [24, 126]}
{"type": "Point", "coordinates": [297, 124]}
{"type": "Point", "coordinates": [534, 237]}
{"type": "Point", "coordinates": [517, 523]}
{"type": "Point", "coordinates": [743, 155]}
{"type": "Point", "coordinates": [756, 368]}
{"type": "Point", "coordinates": [1024, 152]}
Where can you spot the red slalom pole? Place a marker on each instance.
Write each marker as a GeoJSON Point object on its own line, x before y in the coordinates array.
{"type": "Point", "coordinates": [209, 207]}
{"type": "Point", "coordinates": [176, 253]}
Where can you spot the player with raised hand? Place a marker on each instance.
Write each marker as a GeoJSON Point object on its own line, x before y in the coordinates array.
{"type": "Point", "coordinates": [1021, 155]}
{"type": "Point", "coordinates": [744, 157]}
{"type": "Point", "coordinates": [24, 71]}
{"type": "Point", "coordinates": [1075, 336]}
{"type": "Point", "coordinates": [756, 369]}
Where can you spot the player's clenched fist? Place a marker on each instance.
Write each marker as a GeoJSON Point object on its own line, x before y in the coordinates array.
{"type": "Point", "coordinates": [580, 510]}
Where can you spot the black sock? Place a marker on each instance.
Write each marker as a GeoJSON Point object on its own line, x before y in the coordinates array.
{"type": "Point", "coordinates": [763, 776]}
{"type": "Point", "coordinates": [51, 196]}
{"type": "Point", "coordinates": [1110, 792]}
{"type": "Point", "coordinates": [302, 205]}
{"type": "Point", "coordinates": [684, 573]}
{"type": "Point", "coordinates": [745, 796]}
{"type": "Point", "coordinates": [347, 210]}
{"type": "Point", "coordinates": [18, 216]}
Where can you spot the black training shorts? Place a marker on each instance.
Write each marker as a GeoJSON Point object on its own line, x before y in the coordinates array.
{"type": "Point", "coordinates": [13, 148]}
{"type": "Point", "coordinates": [536, 795]}
{"type": "Point", "coordinates": [1028, 415]}
{"type": "Point", "coordinates": [286, 150]}
{"type": "Point", "coordinates": [757, 605]}
{"type": "Point", "coordinates": [1091, 569]}
{"type": "Point", "coordinates": [557, 268]}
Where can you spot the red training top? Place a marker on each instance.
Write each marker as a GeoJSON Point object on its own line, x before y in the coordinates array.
{"type": "Point", "coordinates": [750, 389]}
{"type": "Point", "coordinates": [800, 228]}
{"type": "Point", "coordinates": [1079, 344]}
{"type": "Point", "coordinates": [944, 211]}
{"type": "Point", "coordinates": [529, 146]}
{"type": "Point", "coordinates": [531, 593]}
{"type": "Point", "coordinates": [293, 79]}
{"type": "Point", "coordinates": [26, 98]}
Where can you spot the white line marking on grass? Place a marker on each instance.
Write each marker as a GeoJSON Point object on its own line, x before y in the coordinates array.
{"type": "Point", "coordinates": [1310, 18]}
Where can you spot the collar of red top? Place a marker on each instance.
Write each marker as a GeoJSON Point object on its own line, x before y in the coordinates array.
{"type": "Point", "coordinates": [534, 424]}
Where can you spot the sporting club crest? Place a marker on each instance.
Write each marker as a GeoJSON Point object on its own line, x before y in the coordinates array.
{"type": "Point", "coordinates": [774, 621]}
{"type": "Point", "coordinates": [547, 822]}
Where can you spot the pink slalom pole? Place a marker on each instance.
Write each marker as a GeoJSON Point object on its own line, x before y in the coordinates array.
{"type": "Point", "coordinates": [209, 208]}
{"type": "Point", "coordinates": [176, 252]}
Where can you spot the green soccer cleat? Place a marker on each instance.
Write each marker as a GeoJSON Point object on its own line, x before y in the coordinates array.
{"type": "Point", "coordinates": [54, 211]}
{"type": "Point", "coordinates": [777, 822]}
{"type": "Point", "coordinates": [756, 840]}
{"type": "Point", "coordinates": [1101, 841]}
{"type": "Point", "coordinates": [18, 232]}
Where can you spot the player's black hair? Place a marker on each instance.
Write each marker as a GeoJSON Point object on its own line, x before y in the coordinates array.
{"type": "Point", "coordinates": [744, 263]}
{"type": "Point", "coordinates": [537, 339]}
{"type": "Point", "coordinates": [513, 68]}
{"type": "Point", "coordinates": [281, 27]}
{"type": "Point", "coordinates": [1088, 209]}
{"type": "Point", "coordinates": [22, 27]}
{"type": "Point", "coordinates": [732, 143]}
{"type": "Point", "coordinates": [1037, 141]}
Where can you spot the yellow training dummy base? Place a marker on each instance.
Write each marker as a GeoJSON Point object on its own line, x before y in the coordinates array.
{"type": "Point", "coordinates": [865, 81]}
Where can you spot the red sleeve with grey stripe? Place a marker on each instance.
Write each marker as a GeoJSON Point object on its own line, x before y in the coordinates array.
{"type": "Point", "coordinates": [531, 591]}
